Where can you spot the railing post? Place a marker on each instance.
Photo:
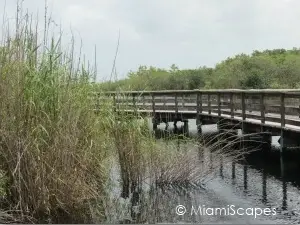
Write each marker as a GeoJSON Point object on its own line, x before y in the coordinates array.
{"type": "Point", "coordinates": [127, 101]}
{"type": "Point", "coordinates": [198, 122]}
{"type": "Point", "coordinates": [282, 118]}
{"type": "Point", "coordinates": [153, 104]}
{"type": "Point", "coordinates": [262, 108]}
{"type": "Point", "coordinates": [176, 104]}
{"type": "Point", "coordinates": [143, 99]}
{"type": "Point", "coordinates": [243, 106]}
{"type": "Point", "coordinates": [231, 105]}
{"type": "Point", "coordinates": [282, 109]}
{"type": "Point", "coordinates": [154, 119]}
{"type": "Point", "coordinates": [133, 100]}
{"type": "Point", "coordinates": [134, 103]}
{"type": "Point", "coordinates": [200, 102]}
{"type": "Point", "coordinates": [208, 103]}
{"type": "Point", "coordinates": [219, 104]}
{"type": "Point", "coordinates": [182, 101]}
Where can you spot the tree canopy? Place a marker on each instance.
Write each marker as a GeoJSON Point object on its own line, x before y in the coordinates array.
{"type": "Point", "coordinates": [278, 68]}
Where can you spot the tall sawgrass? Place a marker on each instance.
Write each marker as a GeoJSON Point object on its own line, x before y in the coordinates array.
{"type": "Point", "coordinates": [52, 143]}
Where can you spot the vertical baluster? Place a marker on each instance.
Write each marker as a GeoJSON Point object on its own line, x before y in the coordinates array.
{"type": "Point", "coordinates": [231, 105]}
{"type": "Point", "coordinates": [208, 103]}
{"type": "Point", "coordinates": [219, 104]}
{"type": "Point", "coordinates": [134, 103]}
{"type": "Point", "coordinates": [198, 122]}
{"type": "Point", "coordinates": [153, 103]}
{"type": "Point", "coordinates": [262, 108]}
{"type": "Point", "coordinates": [176, 104]}
{"type": "Point", "coordinates": [282, 110]}
{"type": "Point", "coordinates": [143, 99]}
{"type": "Point", "coordinates": [200, 102]}
{"type": "Point", "coordinates": [243, 106]}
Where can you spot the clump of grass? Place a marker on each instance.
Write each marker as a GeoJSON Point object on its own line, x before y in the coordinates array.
{"type": "Point", "coordinates": [131, 144]}
{"type": "Point", "coordinates": [52, 144]}
{"type": "Point", "coordinates": [175, 165]}
{"type": "Point", "coordinates": [188, 161]}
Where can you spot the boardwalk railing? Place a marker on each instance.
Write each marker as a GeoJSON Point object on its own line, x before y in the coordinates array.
{"type": "Point", "coordinates": [281, 107]}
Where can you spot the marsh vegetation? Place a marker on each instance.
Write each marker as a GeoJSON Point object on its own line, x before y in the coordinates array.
{"type": "Point", "coordinates": [61, 160]}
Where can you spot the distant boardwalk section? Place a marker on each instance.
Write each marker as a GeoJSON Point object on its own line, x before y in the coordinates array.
{"type": "Point", "coordinates": [276, 112]}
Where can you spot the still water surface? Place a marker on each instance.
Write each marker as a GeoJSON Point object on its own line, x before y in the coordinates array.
{"type": "Point", "coordinates": [259, 181]}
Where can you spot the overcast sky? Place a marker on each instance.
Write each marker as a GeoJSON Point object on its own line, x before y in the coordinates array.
{"type": "Point", "coordinates": [189, 33]}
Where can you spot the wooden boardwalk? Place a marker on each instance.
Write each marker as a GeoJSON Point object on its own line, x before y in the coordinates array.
{"type": "Point", "coordinates": [280, 108]}
{"type": "Point", "coordinates": [276, 111]}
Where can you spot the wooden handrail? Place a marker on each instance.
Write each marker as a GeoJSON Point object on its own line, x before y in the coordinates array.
{"type": "Point", "coordinates": [211, 91]}
{"type": "Point", "coordinates": [265, 105]}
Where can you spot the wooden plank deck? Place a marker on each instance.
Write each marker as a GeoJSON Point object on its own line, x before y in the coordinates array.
{"type": "Point", "coordinates": [272, 108]}
{"type": "Point", "coordinates": [275, 117]}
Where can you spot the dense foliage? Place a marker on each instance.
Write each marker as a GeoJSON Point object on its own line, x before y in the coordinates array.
{"type": "Point", "coordinates": [278, 68]}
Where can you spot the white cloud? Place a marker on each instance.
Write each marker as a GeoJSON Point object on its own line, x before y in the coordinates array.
{"type": "Point", "coordinates": [189, 33]}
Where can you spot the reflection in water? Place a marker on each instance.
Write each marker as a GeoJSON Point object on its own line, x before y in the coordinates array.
{"type": "Point", "coordinates": [221, 167]}
{"type": "Point", "coordinates": [245, 178]}
{"type": "Point", "coordinates": [159, 206]}
{"type": "Point", "coordinates": [264, 186]}
{"type": "Point", "coordinates": [284, 194]}
{"type": "Point", "coordinates": [233, 171]}
{"type": "Point", "coordinates": [281, 165]}
{"type": "Point", "coordinates": [260, 175]}
{"type": "Point", "coordinates": [201, 154]}
{"type": "Point", "coordinates": [135, 202]}
{"type": "Point", "coordinates": [170, 133]}
{"type": "Point", "coordinates": [284, 183]}
{"type": "Point", "coordinates": [211, 159]}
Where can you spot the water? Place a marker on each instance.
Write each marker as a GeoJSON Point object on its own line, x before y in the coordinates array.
{"type": "Point", "coordinates": [261, 180]}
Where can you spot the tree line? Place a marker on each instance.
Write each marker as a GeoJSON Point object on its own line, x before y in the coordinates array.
{"type": "Point", "coordinates": [278, 68]}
